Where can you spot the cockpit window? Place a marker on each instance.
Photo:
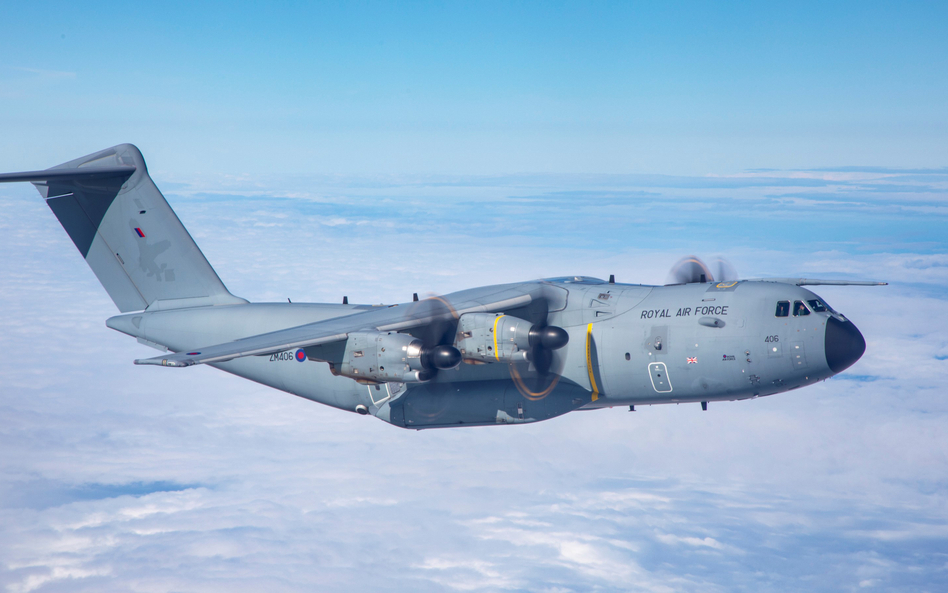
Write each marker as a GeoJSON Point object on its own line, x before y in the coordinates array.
{"type": "Point", "coordinates": [783, 309]}
{"type": "Point", "coordinates": [822, 303]}
{"type": "Point", "coordinates": [799, 309]}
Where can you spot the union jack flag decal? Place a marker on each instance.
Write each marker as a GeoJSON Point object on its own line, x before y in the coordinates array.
{"type": "Point", "coordinates": [692, 360]}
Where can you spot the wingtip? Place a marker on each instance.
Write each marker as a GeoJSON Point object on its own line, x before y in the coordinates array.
{"type": "Point", "coordinates": [163, 362]}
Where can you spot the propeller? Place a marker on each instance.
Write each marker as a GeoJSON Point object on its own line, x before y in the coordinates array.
{"type": "Point", "coordinates": [724, 271]}
{"type": "Point", "coordinates": [535, 376]}
{"type": "Point", "coordinates": [437, 336]}
{"type": "Point", "coordinates": [544, 340]}
{"type": "Point", "coordinates": [691, 269]}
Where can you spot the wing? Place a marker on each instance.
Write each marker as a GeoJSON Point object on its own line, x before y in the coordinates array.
{"type": "Point", "coordinates": [392, 318]}
{"type": "Point", "coordinates": [295, 337]}
{"type": "Point", "coordinates": [815, 282]}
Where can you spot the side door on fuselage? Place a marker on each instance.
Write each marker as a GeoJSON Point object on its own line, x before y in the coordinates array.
{"type": "Point", "coordinates": [616, 341]}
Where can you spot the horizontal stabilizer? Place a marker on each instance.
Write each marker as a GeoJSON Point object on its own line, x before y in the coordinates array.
{"type": "Point", "coordinates": [68, 174]}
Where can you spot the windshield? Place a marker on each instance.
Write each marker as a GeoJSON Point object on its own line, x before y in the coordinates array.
{"type": "Point", "coordinates": [820, 306]}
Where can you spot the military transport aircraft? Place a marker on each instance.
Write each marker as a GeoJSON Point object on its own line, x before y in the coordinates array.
{"type": "Point", "coordinates": [505, 354]}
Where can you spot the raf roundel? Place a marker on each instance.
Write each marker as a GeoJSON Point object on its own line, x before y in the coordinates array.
{"type": "Point", "coordinates": [300, 355]}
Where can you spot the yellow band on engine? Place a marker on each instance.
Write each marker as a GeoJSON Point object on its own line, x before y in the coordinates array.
{"type": "Point", "coordinates": [496, 351]}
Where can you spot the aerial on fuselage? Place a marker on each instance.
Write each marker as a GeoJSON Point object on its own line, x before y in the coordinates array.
{"type": "Point", "coordinates": [504, 354]}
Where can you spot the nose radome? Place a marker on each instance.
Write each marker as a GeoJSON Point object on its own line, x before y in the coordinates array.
{"type": "Point", "coordinates": [843, 344]}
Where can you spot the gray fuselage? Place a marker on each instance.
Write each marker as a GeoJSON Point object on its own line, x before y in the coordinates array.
{"type": "Point", "coordinates": [566, 344]}
{"type": "Point", "coordinates": [628, 345]}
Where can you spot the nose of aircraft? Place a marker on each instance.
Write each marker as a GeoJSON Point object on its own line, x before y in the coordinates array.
{"type": "Point", "coordinates": [843, 344]}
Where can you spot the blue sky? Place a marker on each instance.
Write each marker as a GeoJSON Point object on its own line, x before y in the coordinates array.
{"type": "Point", "coordinates": [480, 88]}
{"type": "Point", "coordinates": [366, 149]}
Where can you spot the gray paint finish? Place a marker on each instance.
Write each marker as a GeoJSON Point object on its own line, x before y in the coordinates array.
{"type": "Point", "coordinates": [129, 235]}
{"type": "Point", "coordinates": [628, 344]}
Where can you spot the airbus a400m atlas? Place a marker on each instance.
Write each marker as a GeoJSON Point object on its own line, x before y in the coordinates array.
{"type": "Point", "coordinates": [505, 354]}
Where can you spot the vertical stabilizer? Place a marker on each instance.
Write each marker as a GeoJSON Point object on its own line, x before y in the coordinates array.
{"type": "Point", "coordinates": [127, 232]}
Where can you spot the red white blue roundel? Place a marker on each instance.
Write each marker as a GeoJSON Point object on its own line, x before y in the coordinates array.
{"type": "Point", "coordinates": [300, 355]}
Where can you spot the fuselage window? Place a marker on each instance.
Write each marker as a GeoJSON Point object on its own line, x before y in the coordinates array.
{"type": "Point", "coordinates": [799, 309]}
{"type": "Point", "coordinates": [817, 306]}
{"type": "Point", "coordinates": [783, 308]}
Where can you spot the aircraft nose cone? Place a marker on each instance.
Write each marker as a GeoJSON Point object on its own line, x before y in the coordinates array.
{"type": "Point", "coordinates": [843, 344]}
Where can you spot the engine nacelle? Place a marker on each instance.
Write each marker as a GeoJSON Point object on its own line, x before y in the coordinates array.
{"type": "Point", "coordinates": [493, 337]}
{"type": "Point", "coordinates": [379, 357]}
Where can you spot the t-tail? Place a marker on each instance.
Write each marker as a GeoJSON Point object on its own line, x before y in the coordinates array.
{"type": "Point", "coordinates": [127, 232]}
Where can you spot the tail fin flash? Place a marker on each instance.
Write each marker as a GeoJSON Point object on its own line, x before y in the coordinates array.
{"type": "Point", "coordinates": [127, 232]}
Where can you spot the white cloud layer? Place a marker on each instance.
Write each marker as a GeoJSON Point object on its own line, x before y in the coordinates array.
{"type": "Point", "coordinates": [123, 478]}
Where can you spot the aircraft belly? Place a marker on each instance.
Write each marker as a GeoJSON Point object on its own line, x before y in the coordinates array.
{"type": "Point", "coordinates": [309, 379]}
{"type": "Point", "coordinates": [313, 380]}
{"type": "Point", "coordinates": [439, 404]}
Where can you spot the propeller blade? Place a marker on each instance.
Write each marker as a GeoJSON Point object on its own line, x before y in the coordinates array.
{"type": "Point", "coordinates": [689, 269]}
{"type": "Point", "coordinates": [443, 327]}
{"type": "Point", "coordinates": [724, 271]}
{"type": "Point", "coordinates": [545, 340]}
{"type": "Point", "coordinates": [437, 336]}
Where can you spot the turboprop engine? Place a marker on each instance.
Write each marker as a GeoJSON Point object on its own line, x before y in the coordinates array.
{"type": "Point", "coordinates": [494, 337]}
{"type": "Point", "coordinates": [377, 357]}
